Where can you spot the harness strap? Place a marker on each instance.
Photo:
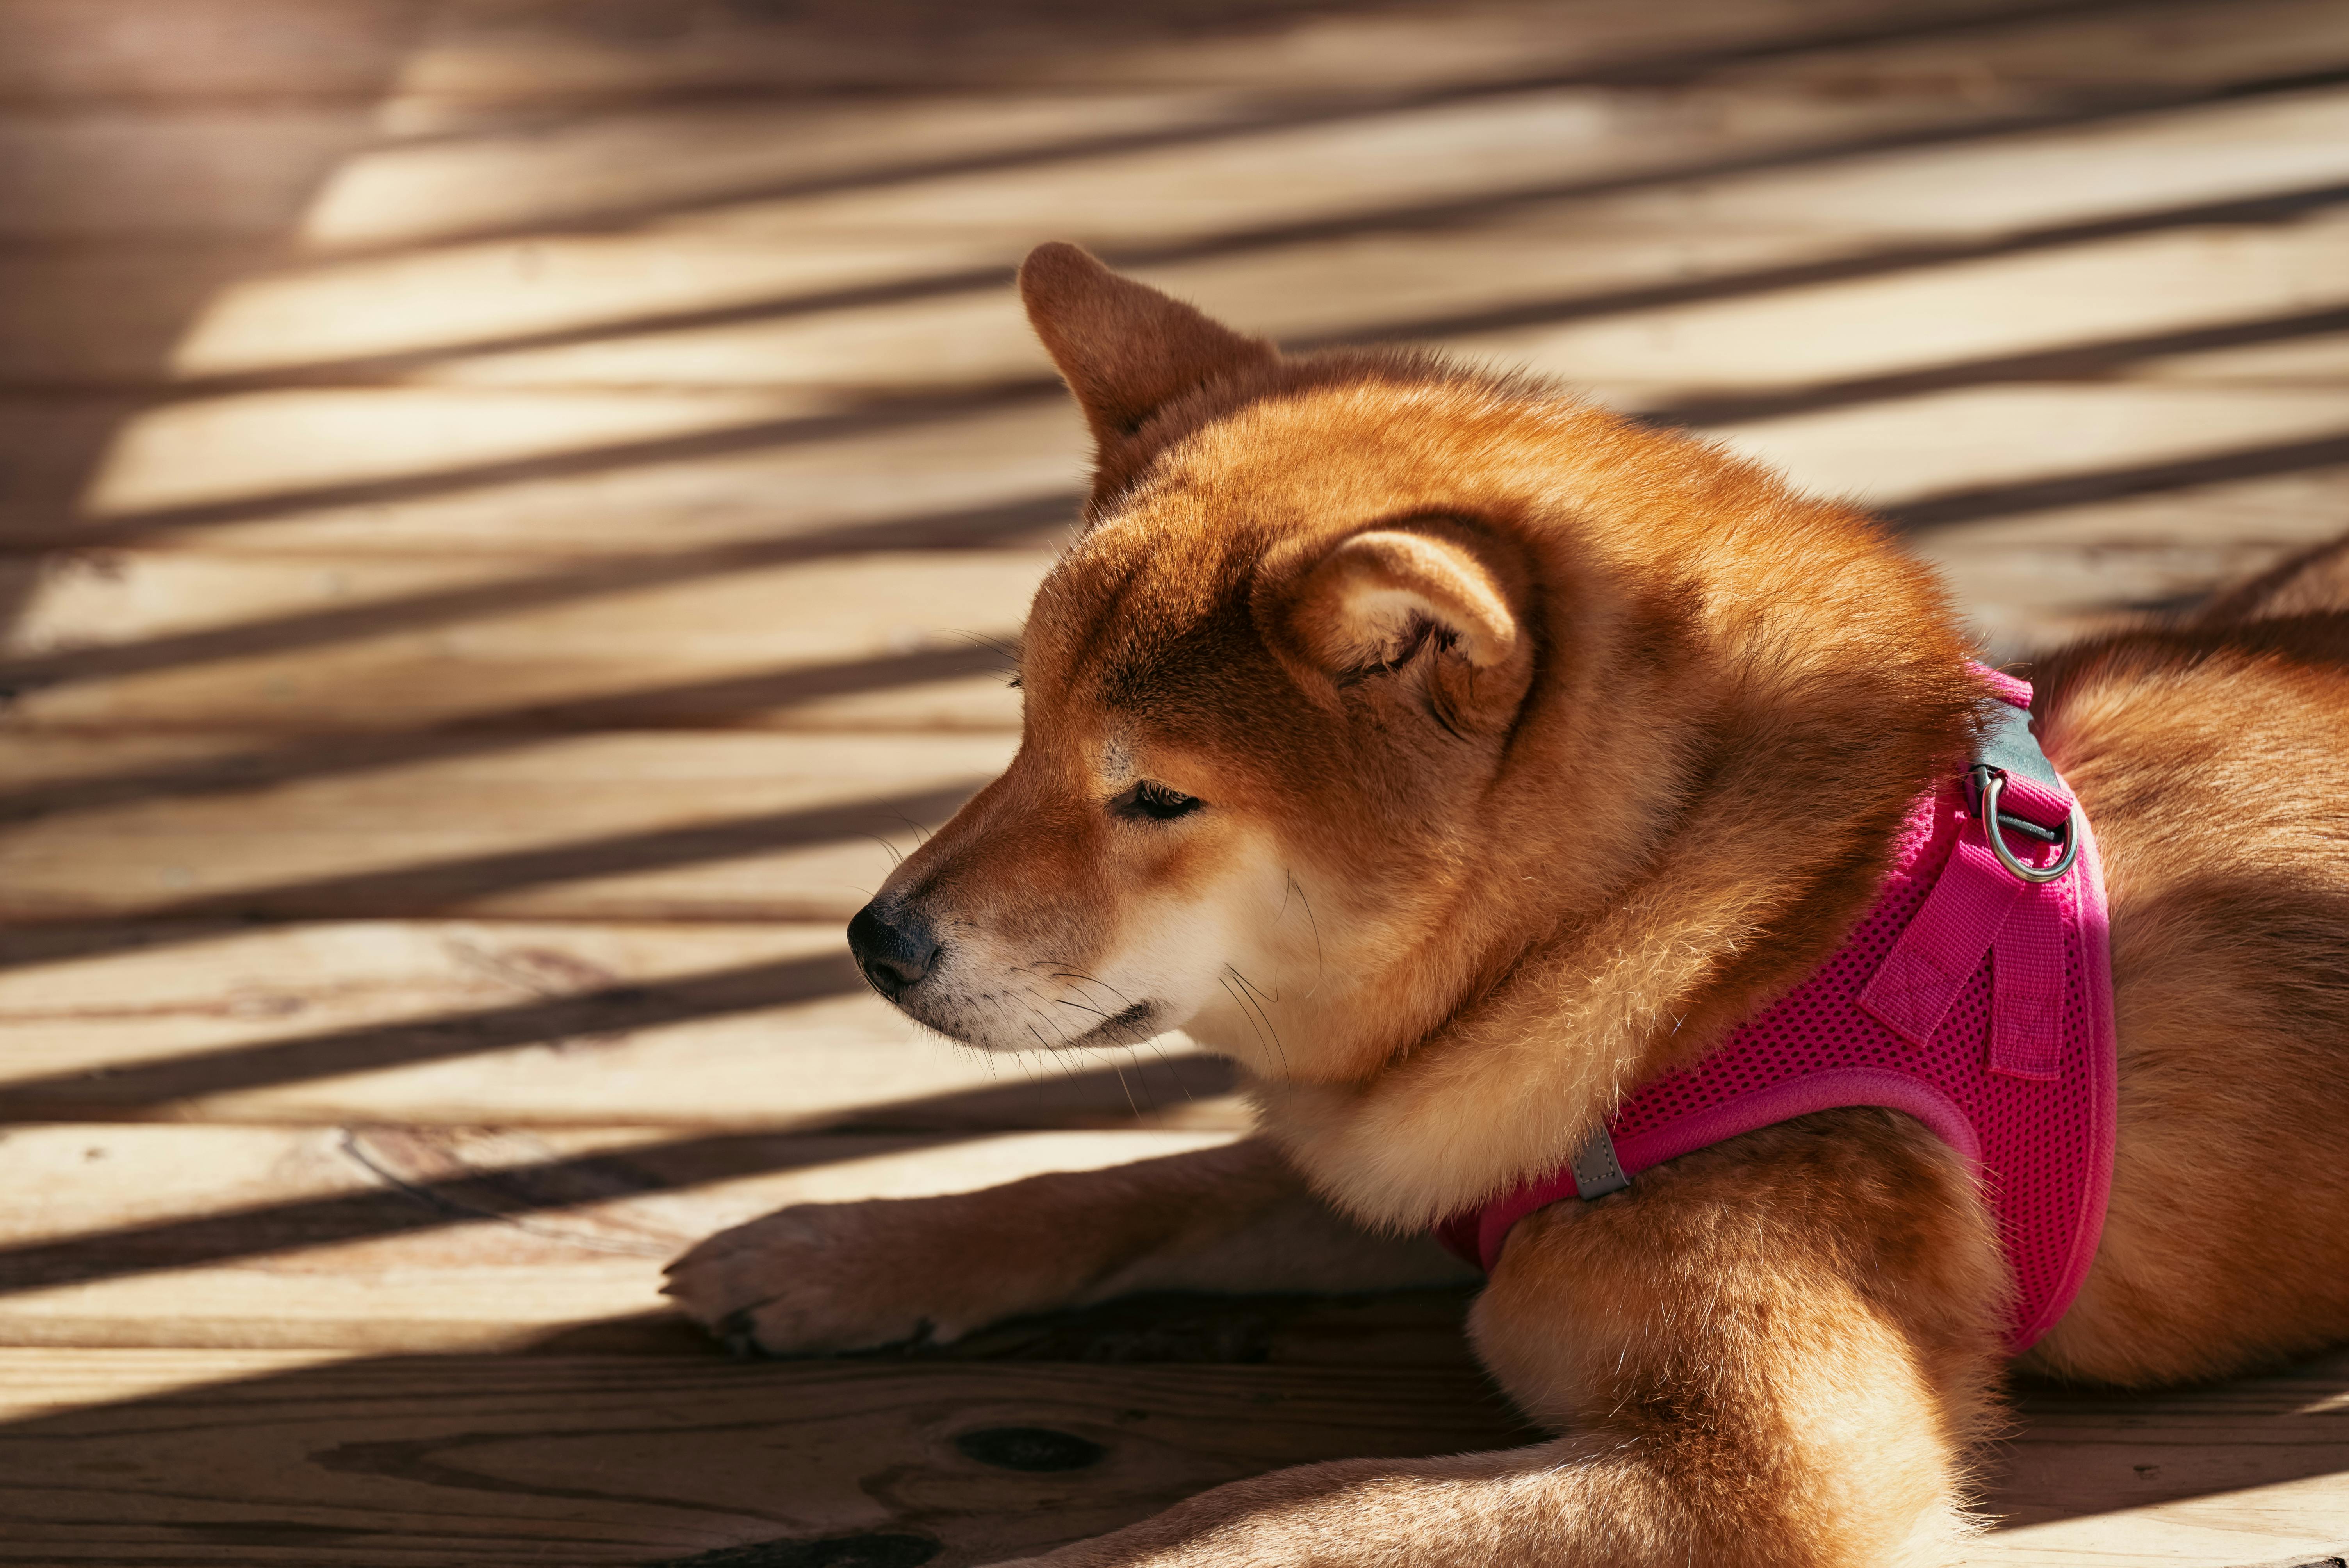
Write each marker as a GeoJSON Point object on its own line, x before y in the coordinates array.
{"type": "Point", "coordinates": [1976, 910]}
{"type": "Point", "coordinates": [1596, 1171]}
{"type": "Point", "coordinates": [1943, 945]}
{"type": "Point", "coordinates": [2026, 1096]}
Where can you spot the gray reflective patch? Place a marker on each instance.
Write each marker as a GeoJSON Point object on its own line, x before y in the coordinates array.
{"type": "Point", "coordinates": [2008, 745]}
{"type": "Point", "coordinates": [1597, 1171]}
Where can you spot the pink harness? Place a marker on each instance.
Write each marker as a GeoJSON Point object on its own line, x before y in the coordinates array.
{"type": "Point", "coordinates": [1971, 996]}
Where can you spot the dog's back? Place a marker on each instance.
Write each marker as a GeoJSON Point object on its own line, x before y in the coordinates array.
{"type": "Point", "coordinates": [2213, 757]}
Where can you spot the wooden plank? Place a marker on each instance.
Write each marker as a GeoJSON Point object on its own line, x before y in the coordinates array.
{"type": "Point", "coordinates": [475, 467]}
{"type": "Point", "coordinates": [222, 450]}
{"type": "Point", "coordinates": [1914, 455]}
{"type": "Point", "coordinates": [260, 1456]}
{"type": "Point", "coordinates": [713, 1455]}
{"type": "Point", "coordinates": [639, 825]}
{"type": "Point", "coordinates": [2039, 578]}
{"type": "Point", "coordinates": [181, 640]}
{"type": "Point", "coordinates": [2316, 357]}
{"type": "Point", "coordinates": [990, 476]}
{"type": "Point", "coordinates": [607, 329]}
{"type": "Point", "coordinates": [67, 52]}
{"type": "Point", "coordinates": [913, 640]}
{"type": "Point", "coordinates": [1407, 167]}
{"type": "Point", "coordinates": [700, 1025]}
{"type": "Point", "coordinates": [102, 172]}
{"type": "Point", "coordinates": [1398, 168]}
{"type": "Point", "coordinates": [485, 55]}
{"type": "Point", "coordinates": [2254, 1470]}
{"type": "Point", "coordinates": [1692, 95]}
{"type": "Point", "coordinates": [216, 480]}
{"type": "Point", "coordinates": [98, 317]}
{"type": "Point", "coordinates": [245, 168]}
{"type": "Point", "coordinates": [717, 219]}
{"type": "Point", "coordinates": [384, 1239]}
{"type": "Point", "coordinates": [2224, 150]}
{"type": "Point", "coordinates": [2102, 308]}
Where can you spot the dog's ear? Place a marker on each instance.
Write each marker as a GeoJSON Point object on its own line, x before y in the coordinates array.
{"type": "Point", "coordinates": [1125, 349]}
{"type": "Point", "coordinates": [1431, 599]}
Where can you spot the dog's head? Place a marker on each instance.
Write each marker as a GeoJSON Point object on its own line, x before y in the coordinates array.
{"type": "Point", "coordinates": [1368, 673]}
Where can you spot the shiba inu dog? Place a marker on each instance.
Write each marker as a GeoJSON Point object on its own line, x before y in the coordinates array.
{"type": "Point", "coordinates": [1459, 759]}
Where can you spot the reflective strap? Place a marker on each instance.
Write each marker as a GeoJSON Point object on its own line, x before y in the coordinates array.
{"type": "Point", "coordinates": [2008, 745]}
{"type": "Point", "coordinates": [1597, 1171]}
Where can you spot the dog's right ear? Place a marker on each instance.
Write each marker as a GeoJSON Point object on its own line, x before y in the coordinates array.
{"type": "Point", "coordinates": [1429, 603]}
{"type": "Point", "coordinates": [1125, 349]}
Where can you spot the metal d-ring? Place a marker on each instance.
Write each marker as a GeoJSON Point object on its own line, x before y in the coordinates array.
{"type": "Point", "coordinates": [1990, 782]}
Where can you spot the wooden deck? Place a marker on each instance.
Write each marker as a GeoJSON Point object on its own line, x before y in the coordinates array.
{"type": "Point", "coordinates": [508, 509]}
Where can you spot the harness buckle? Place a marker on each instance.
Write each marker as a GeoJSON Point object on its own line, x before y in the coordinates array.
{"type": "Point", "coordinates": [1989, 784]}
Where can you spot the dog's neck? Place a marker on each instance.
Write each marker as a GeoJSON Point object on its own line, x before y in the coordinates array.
{"type": "Point", "coordinates": [1774, 850]}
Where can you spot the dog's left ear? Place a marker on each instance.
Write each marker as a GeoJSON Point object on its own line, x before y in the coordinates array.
{"type": "Point", "coordinates": [1430, 600]}
{"type": "Point", "coordinates": [1125, 349]}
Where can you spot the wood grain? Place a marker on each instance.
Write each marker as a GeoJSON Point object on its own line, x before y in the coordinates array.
{"type": "Point", "coordinates": [491, 55]}
{"type": "Point", "coordinates": [497, 497]}
{"type": "Point", "coordinates": [481, 1461]}
{"type": "Point", "coordinates": [1340, 159]}
{"type": "Point", "coordinates": [373, 1239]}
{"type": "Point", "coordinates": [644, 825]}
{"type": "Point", "coordinates": [183, 1457]}
{"type": "Point", "coordinates": [519, 1023]}
{"type": "Point", "coordinates": [790, 487]}
{"type": "Point", "coordinates": [173, 640]}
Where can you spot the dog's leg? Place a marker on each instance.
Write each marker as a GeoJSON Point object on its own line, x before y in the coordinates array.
{"type": "Point", "coordinates": [1772, 1353]}
{"type": "Point", "coordinates": [825, 1277]}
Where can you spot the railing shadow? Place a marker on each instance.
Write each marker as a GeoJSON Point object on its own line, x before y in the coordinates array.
{"type": "Point", "coordinates": [1387, 219]}
{"type": "Point", "coordinates": [721, 700]}
{"type": "Point", "coordinates": [401, 1206]}
{"type": "Point", "coordinates": [1021, 522]}
{"type": "Point", "coordinates": [444, 886]}
{"type": "Point", "coordinates": [1024, 520]}
{"type": "Point", "coordinates": [717, 703]}
{"type": "Point", "coordinates": [1240, 116]}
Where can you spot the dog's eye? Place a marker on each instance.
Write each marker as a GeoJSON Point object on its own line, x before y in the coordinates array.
{"type": "Point", "coordinates": [1156, 802]}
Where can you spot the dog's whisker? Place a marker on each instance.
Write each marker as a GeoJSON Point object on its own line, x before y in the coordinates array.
{"type": "Point", "coordinates": [1315, 927]}
{"type": "Point", "coordinates": [1258, 1017]}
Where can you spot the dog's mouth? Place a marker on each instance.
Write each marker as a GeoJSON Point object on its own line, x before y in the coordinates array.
{"type": "Point", "coordinates": [1029, 1029]}
{"type": "Point", "coordinates": [1130, 1028]}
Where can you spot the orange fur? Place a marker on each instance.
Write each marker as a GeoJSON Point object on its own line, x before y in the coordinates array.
{"type": "Point", "coordinates": [1456, 756]}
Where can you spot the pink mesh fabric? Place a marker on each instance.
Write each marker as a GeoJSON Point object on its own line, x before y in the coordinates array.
{"type": "Point", "coordinates": [1988, 1016]}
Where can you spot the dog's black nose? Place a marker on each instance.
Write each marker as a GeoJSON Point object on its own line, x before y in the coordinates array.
{"type": "Point", "coordinates": [894, 948]}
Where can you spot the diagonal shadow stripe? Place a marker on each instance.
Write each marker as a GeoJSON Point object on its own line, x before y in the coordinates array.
{"type": "Point", "coordinates": [1678, 66]}
{"type": "Point", "coordinates": [1022, 519]}
{"type": "Point", "coordinates": [701, 704]}
{"type": "Point", "coordinates": [1979, 504]}
{"type": "Point", "coordinates": [1254, 238]}
{"type": "Point", "coordinates": [885, 412]}
{"type": "Point", "coordinates": [2274, 207]}
{"type": "Point", "coordinates": [2071, 362]}
{"type": "Point", "coordinates": [439, 883]}
{"type": "Point", "coordinates": [762, 435]}
{"type": "Point", "coordinates": [976, 527]}
{"type": "Point", "coordinates": [436, 886]}
{"type": "Point", "coordinates": [408, 1207]}
{"type": "Point", "coordinates": [619, 1009]}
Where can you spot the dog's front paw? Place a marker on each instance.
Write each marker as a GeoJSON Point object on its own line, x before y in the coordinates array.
{"type": "Point", "coordinates": [813, 1280]}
